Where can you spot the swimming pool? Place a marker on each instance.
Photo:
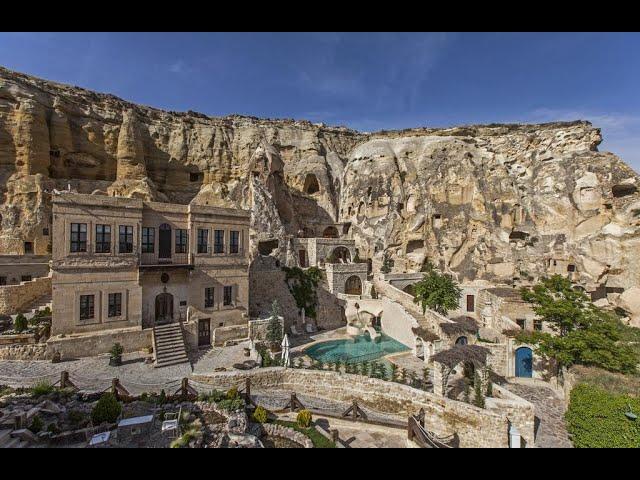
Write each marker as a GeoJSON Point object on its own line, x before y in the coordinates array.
{"type": "Point", "coordinates": [357, 349]}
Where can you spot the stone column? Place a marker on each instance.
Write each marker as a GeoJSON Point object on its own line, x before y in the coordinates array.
{"type": "Point", "coordinates": [437, 379]}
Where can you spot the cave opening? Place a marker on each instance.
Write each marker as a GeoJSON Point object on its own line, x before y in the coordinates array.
{"type": "Point", "coordinates": [267, 247]}
{"type": "Point", "coordinates": [623, 190]}
{"type": "Point", "coordinates": [311, 184]}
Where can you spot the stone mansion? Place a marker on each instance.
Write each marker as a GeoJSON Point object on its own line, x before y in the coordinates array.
{"type": "Point", "coordinates": [123, 268]}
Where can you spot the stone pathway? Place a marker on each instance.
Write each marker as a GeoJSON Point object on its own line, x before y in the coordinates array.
{"type": "Point", "coordinates": [551, 432]}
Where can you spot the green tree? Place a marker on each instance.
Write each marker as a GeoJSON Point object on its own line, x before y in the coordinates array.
{"type": "Point", "coordinates": [107, 410]}
{"type": "Point", "coordinates": [437, 292]}
{"type": "Point", "coordinates": [20, 323]}
{"type": "Point", "coordinates": [586, 334]}
{"type": "Point", "coordinates": [387, 263]}
{"type": "Point", "coordinates": [478, 395]}
{"type": "Point", "coordinates": [274, 328]}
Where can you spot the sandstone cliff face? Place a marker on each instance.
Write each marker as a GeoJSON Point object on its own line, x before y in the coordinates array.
{"type": "Point", "coordinates": [497, 202]}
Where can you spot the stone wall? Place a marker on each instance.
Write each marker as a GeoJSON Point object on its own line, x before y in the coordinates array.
{"type": "Point", "coordinates": [14, 267]}
{"type": "Point", "coordinates": [476, 427]}
{"type": "Point", "coordinates": [91, 344]}
{"type": "Point", "coordinates": [14, 298]}
{"type": "Point", "coordinates": [339, 273]}
{"type": "Point", "coordinates": [224, 334]}
{"type": "Point", "coordinates": [34, 351]}
{"type": "Point", "coordinates": [267, 283]}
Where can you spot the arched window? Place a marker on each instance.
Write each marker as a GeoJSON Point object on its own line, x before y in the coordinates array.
{"type": "Point", "coordinates": [524, 362]}
{"type": "Point", "coordinates": [330, 232]}
{"type": "Point", "coordinates": [462, 341]}
{"type": "Point", "coordinates": [341, 255]}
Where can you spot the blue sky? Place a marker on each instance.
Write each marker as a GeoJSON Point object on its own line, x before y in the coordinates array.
{"type": "Point", "coordinates": [367, 81]}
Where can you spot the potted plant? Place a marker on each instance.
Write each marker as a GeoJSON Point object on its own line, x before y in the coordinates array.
{"type": "Point", "coordinates": [115, 355]}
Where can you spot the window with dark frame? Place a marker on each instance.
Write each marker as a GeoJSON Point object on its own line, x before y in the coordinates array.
{"type": "Point", "coordinates": [537, 325]}
{"type": "Point", "coordinates": [28, 248]}
{"type": "Point", "coordinates": [87, 307]}
{"type": "Point", "coordinates": [218, 245]}
{"type": "Point", "coordinates": [209, 299]}
{"type": "Point", "coordinates": [125, 240]}
{"type": "Point", "coordinates": [181, 241]}
{"type": "Point", "coordinates": [148, 239]}
{"type": "Point", "coordinates": [78, 237]}
{"type": "Point", "coordinates": [203, 240]}
{"type": "Point", "coordinates": [26, 278]}
{"type": "Point", "coordinates": [234, 241]}
{"type": "Point", "coordinates": [521, 323]}
{"type": "Point", "coordinates": [228, 291]}
{"type": "Point", "coordinates": [103, 238]}
{"type": "Point", "coordinates": [3, 281]}
{"type": "Point", "coordinates": [115, 305]}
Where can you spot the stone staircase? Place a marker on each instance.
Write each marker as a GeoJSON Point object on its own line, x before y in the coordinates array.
{"type": "Point", "coordinates": [169, 345]}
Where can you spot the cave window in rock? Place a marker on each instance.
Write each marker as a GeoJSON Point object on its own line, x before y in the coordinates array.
{"type": "Point", "coordinates": [311, 184]}
{"type": "Point", "coordinates": [340, 255]}
{"type": "Point", "coordinates": [330, 232]}
{"type": "Point", "coordinates": [345, 228]}
{"type": "Point", "coordinates": [196, 177]}
{"type": "Point", "coordinates": [518, 235]}
{"type": "Point", "coordinates": [623, 190]}
{"type": "Point", "coordinates": [437, 220]}
{"type": "Point", "coordinates": [28, 248]}
{"type": "Point", "coordinates": [353, 286]}
{"type": "Point", "coordinates": [571, 268]}
{"type": "Point", "coordinates": [267, 247]}
{"type": "Point", "coordinates": [414, 245]}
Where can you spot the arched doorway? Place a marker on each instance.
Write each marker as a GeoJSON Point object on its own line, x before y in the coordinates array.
{"type": "Point", "coordinates": [353, 286]}
{"type": "Point", "coordinates": [462, 340]}
{"type": "Point", "coordinates": [302, 258]}
{"type": "Point", "coordinates": [164, 242]}
{"type": "Point", "coordinates": [164, 308]}
{"type": "Point", "coordinates": [410, 289]}
{"type": "Point", "coordinates": [341, 255]}
{"type": "Point", "coordinates": [524, 362]}
{"type": "Point", "coordinates": [330, 232]}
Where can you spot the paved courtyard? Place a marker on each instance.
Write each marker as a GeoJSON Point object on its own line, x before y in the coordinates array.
{"type": "Point", "coordinates": [95, 374]}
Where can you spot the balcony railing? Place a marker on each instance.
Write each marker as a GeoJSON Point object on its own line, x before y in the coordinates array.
{"type": "Point", "coordinates": [153, 259]}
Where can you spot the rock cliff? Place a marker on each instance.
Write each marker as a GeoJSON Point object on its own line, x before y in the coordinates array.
{"type": "Point", "coordinates": [506, 203]}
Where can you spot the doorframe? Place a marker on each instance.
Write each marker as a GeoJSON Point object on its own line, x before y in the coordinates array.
{"type": "Point", "coordinates": [202, 321]}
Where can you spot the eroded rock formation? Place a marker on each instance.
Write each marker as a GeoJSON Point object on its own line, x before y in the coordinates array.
{"type": "Point", "coordinates": [499, 202]}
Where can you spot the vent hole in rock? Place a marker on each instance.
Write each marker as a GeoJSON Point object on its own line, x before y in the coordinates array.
{"type": "Point", "coordinates": [623, 190]}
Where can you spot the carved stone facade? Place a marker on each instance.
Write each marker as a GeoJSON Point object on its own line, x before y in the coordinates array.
{"type": "Point", "coordinates": [122, 263]}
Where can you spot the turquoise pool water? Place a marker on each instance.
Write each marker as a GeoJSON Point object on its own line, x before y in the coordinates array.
{"type": "Point", "coordinates": [357, 349]}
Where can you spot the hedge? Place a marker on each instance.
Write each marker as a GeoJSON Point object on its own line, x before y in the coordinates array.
{"type": "Point", "coordinates": [596, 419]}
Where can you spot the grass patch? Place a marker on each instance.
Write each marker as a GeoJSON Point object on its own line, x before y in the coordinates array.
{"type": "Point", "coordinates": [5, 390]}
{"type": "Point", "coordinates": [41, 388]}
{"type": "Point", "coordinates": [319, 440]}
{"type": "Point", "coordinates": [615, 383]}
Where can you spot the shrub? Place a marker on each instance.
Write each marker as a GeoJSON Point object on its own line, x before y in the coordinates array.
{"type": "Point", "coordinates": [43, 387]}
{"type": "Point", "coordinates": [20, 323]}
{"type": "Point", "coordinates": [231, 404]}
{"type": "Point", "coordinates": [107, 410]}
{"type": "Point", "coordinates": [232, 393]}
{"type": "Point", "coordinates": [596, 419]}
{"type": "Point", "coordinates": [36, 424]}
{"type": "Point", "coordinates": [260, 415]}
{"type": "Point", "coordinates": [304, 419]}
{"type": "Point", "coordinates": [213, 396]}
{"type": "Point", "coordinates": [116, 351]}
{"type": "Point", "coordinates": [478, 397]}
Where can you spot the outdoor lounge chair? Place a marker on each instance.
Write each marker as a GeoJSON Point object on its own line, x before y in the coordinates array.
{"type": "Point", "coordinates": [294, 331]}
{"type": "Point", "coordinates": [171, 423]}
{"type": "Point", "coordinates": [310, 328]}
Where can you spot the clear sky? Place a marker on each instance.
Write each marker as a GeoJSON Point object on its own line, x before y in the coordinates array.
{"type": "Point", "coordinates": [367, 81]}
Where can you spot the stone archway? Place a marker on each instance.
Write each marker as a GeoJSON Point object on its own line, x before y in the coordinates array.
{"type": "Point", "coordinates": [164, 308]}
{"type": "Point", "coordinates": [341, 255]}
{"type": "Point", "coordinates": [353, 285]}
{"type": "Point", "coordinates": [410, 289]}
{"type": "Point", "coordinates": [330, 232]}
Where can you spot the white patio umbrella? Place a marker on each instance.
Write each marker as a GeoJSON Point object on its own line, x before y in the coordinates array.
{"type": "Point", "coordinates": [285, 350]}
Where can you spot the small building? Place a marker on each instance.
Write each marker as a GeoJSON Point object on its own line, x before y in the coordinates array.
{"type": "Point", "coordinates": [122, 266]}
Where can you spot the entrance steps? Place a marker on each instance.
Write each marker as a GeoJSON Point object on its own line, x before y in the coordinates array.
{"type": "Point", "coordinates": [169, 345]}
